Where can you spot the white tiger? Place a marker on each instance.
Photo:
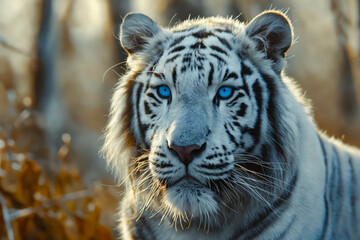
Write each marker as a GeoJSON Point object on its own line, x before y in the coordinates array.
{"type": "Point", "coordinates": [213, 141]}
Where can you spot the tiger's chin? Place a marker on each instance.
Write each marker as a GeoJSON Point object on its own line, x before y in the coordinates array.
{"type": "Point", "coordinates": [189, 200]}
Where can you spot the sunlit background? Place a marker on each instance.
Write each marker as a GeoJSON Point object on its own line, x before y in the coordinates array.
{"type": "Point", "coordinates": [59, 61]}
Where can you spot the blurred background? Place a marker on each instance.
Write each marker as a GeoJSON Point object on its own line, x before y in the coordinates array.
{"type": "Point", "coordinates": [59, 61]}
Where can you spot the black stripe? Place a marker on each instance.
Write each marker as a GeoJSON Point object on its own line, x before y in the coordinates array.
{"type": "Point", "coordinates": [334, 190]}
{"type": "Point", "coordinates": [218, 49]}
{"type": "Point", "coordinates": [169, 100]}
{"type": "Point", "coordinates": [154, 104]}
{"type": "Point", "coordinates": [202, 34]}
{"type": "Point", "coordinates": [160, 154]}
{"type": "Point", "coordinates": [237, 124]}
{"type": "Point", "coordinates": [225, 42]}
{"type": "Point", "coordinates": [246, 87]}
{"type": "Point", "coordinates": [159, 75]}
{"type": "Point", "coordinates": [152, 69]}
{"type": "Point", "coordinates": [151, 95]}
{"type": "Point", "coordinates": [326, 201]}
{"type": "Point", "coordinates": [147, 108]}
{"type": "Point", "coordinates": [173, 58]}
{"type": "Point", "coordinates": [163, 165]}
{"type": "Point", "coordinates": [242, 110]}
{"type": "Point", "coordinates": [144, 128]}
{"type": "Point", "coordinates": [174, 76]}
{"type": "Point", "coordinates": [239, 95]}
{"type": "Point", "coordinates": [216, 101]}
{"type": "Point", "coordinates": [198, 45]}
{"type": "Point", "coordinates": [273, 116]}
{"type": "Point", "coordinates": [256, 130]}
{"type": "Point", "coordinates": [226, 73]}
{"type": "Point", "coordinates": [339, 183]}
{"type": "Point", "coordinates": [177, 49]}
{"type": "Point", "coordinates": [232, 128]}
{"type": "Point", "coordinates": [183, 69]}
{"type": "Point", "coordinates": [231, 75]}
{"type": "Point", "coordinates": [211, 156]}
{"type": "Point", "coordinates": [215, 166]}
{"type": "Point", "coordinates": [232, 138]}
{"type": "Point", "coordinates": [187, 57]}
{"type": "Point", "coordinates": [269, 215]}
{"type": "Point", "coordinates": [211, 75]}
{"type": "Point", "coordinates": [245, 70]}
{"type": "Point", "coordinates": [220, 59]}
{"type": "Point", "coordinates": [177, 41]}
{"type": "Point", "coordinates": [353, 200]}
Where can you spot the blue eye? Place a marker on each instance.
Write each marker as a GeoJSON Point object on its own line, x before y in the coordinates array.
{"type": "Point", "coordinates": [164, 91]}
{"type": "Point", "coordinates": [225, 92]}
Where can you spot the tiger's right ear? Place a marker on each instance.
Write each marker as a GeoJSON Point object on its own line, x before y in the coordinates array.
{"type": "Point", "coordinates": [135, 32]}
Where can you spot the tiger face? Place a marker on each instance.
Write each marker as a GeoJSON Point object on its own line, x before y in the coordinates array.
{"type": "Point", "coordinates": [195, 115]}
{"type": "Point", "coordinates": [199, 114]}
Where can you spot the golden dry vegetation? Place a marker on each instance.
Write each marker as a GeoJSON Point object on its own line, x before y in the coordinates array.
{"type": "Point", "coordinates": [41, 199]}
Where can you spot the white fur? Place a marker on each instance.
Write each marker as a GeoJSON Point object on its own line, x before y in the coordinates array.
{"type": "Point", "coordinates": [167, 199]}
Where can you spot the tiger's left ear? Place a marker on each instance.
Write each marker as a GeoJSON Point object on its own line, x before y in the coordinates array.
{"type": "Point", "coordinates": [273, 34]}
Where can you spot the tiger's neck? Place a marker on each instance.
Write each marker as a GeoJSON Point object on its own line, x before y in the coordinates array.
{"type": "Point", "coordinates": [342, 189]}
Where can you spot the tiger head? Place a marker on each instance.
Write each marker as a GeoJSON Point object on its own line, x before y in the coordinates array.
{"type": "Point", "coordinates": [201, 123]}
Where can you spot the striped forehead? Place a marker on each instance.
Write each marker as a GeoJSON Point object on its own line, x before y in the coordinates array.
{"type": "Point", "coordinates": [216, 42]}
{"type": "Point", "coordinates": [196, 53]}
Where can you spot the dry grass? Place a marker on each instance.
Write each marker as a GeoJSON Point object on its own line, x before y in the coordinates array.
{"type": "Point", "coordinates": [47, 199]}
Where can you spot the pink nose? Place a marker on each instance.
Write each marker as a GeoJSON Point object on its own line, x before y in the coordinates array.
{"type": "Point", "coordinates": [184, 152]}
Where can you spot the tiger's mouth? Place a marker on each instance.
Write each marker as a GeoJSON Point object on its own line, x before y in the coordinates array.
{"type": "Point", "coordinates": [186, 180]}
